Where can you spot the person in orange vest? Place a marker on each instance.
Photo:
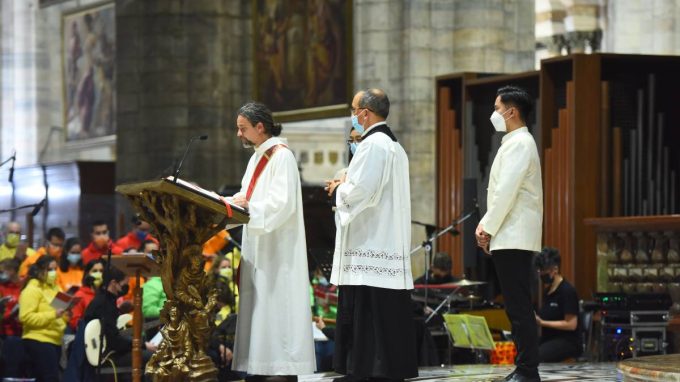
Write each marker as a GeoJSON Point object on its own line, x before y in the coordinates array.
{"type": "Point", "coordinates": [70, 271]}
{"type": "Point", "coordinates": [213, 246]}
{"type": "Point", "coordinates": [53, 247]}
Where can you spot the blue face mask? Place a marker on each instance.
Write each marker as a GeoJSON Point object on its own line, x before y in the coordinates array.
{"type": "Point", "coordinates": [353, 147]}
{"type": "Point", "coordinates": [141, 235]}
{"type": "Point", "coordinates": [357, 126]}
{"type": "Point", "coordinates": [73, 258]}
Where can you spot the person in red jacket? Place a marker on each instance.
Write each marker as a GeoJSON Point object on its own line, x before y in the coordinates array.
{"type": "Point", "coordinates": [99, 247]}
{"type": "Point", "coordinates": [92, 280]}
{"type": "Point", "coordinates": [10, 329]}
{"type": "Point", "coordinates": [136, 237]}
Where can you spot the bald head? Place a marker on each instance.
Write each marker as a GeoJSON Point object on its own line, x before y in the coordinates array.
{"type": "Point", "coordinates": [377, 102]}
{"type": "Point", "coordinates": [355, 100]}
{"type": "Point", "coordinates": [13, 227]}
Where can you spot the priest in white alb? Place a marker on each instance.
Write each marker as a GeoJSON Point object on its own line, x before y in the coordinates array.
{"type": "Point", "coordinates": [375, 332]}
{"type": "Point", "coordinates": [273, 330]}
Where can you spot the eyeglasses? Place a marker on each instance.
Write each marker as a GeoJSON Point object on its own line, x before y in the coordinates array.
{"type": "Point", "coordinates": [354, 111]}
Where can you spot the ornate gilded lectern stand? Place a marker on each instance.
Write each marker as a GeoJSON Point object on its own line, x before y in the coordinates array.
{"type": "Point", "coordinates": [184, 217]}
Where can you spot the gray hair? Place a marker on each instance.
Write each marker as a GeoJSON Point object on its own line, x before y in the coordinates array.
{"type": "Point", "coordinates": [376, 101]}
{"type": "Point", "coordinates": [256, 112]}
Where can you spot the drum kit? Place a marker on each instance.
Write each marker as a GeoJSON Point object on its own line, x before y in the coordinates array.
{"type": "Point", "coordinates": [457, 292]}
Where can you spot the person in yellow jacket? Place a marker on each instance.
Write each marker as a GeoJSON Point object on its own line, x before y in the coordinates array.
{"type": "Point", "coordinates": [43, 325]}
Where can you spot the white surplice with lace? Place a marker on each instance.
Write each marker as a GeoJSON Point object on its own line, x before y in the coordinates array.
{"type": "Point", "coordinates": [373, 208]}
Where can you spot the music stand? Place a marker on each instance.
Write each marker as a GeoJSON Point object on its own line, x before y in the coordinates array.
{"type": "Point", "coordinates": [136, 265]}
{"type": "Point", "coordinates": [470, 332]}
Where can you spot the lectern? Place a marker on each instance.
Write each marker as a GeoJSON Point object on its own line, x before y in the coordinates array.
{"type": "Point", "coordinates": [184, 217]}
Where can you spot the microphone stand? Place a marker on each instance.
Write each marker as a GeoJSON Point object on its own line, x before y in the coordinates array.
{"type": "Point", "coordinates": [36, 208]}
{"type": "Point", "coordinates": [427, 245]}
{"type": "Point", "coordinates": [186, 151]}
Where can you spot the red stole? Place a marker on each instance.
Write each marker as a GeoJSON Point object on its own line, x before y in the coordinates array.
{"type": "Point", "coordinates": [251, 187]}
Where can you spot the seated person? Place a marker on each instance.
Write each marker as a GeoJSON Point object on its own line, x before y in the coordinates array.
{"type": "Point", "coordinates": [153, 300]}
{"type": "Point", "coordinates": [148, 247]}
{"type": "Point", "coordinates": [10, 328]}
{"type": "Point", "coordinates": [101, 242]}
{"type": "Point", "coordinates": [137, 236]}
{"type": "Point", "coordinates": [53, 247]}
{"type": "Point", "coordinates": [92, 280]}
{"type": "Point", "coordinates": [70, 271]}
{"type": "Point", "coordinates": [222, 338]}
{"type": "Point", "coordinates": [103, 307]}
{"type": "Point", "coordinates": [558, 318]}
{"type": "Point", "coordinates": [13, 245]}
{"type": "Point", "coordinates": [440, 271]}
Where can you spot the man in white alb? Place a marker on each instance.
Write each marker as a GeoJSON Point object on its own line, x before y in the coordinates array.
{"type": "Point", "coordinates": [375, 332]}
{"type": "Point", "coordinates": [511, 229]}
{"type": "Point", "coordinates": [273, 330]}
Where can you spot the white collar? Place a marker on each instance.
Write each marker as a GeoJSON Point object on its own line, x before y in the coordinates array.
{"type": "Point", "coordinates": [513, 133]}
{"type": "Point", "coordinates": [272, 141]}
{"type": "Point", "coordinates": [374, 125]}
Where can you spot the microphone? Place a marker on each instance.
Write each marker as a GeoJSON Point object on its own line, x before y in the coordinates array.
{"type": "Point", "coordinates": [234, 242]}
{"type": "Point", "coordinates": [38, 206]}
{"type": "Point", "coordinates": [179, 166]}
{"type": "Point", "coordinates": [11, 169]}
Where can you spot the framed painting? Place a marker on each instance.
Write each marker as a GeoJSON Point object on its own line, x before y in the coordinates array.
{"type": "Point", "coordinates": [303, 57]}
{"type": "Point", "coordinates": [88, 75]}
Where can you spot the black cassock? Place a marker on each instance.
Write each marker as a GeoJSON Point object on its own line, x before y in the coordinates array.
{"type": "Point", "coordinates": [375, 333]}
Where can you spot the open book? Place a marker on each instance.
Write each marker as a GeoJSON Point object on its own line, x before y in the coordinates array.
{"type": "Point", "coordinates": [64, 301]}
{"type": "Point", "coordinates": [207, 194]}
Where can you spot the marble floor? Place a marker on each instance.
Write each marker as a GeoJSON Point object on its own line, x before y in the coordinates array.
{"type": "Point", "coordinates": [601, 372]}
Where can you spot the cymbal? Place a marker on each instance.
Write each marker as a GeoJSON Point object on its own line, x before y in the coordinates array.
{"type": "Point", "coordinates": [466, 282]}
{"type": "Point", "coordinates": [472, 297]}
{"type": "Point", "coordinates": [430, 300]}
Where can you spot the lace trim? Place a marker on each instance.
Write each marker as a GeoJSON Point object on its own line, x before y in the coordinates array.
{"type": "Point", "coordinates": [380, 271]}
{"type": "Point", "coordinates": [372, 254]}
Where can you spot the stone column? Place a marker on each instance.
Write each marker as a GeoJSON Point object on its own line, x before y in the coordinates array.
{"type": "Point", "coordinates": [20, 59]}
{"type": "Point", "coordinates": [184, 68]}
{"type": "Point", "coordinates": [583, 33]}
{"type": "Point", "coordinates": [550, 40]}
{"type": "Point", "coordinates": [642, 27]}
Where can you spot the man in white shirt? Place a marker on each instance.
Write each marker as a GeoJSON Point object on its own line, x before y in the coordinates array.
{"type": "Point", "coordinates": [375, 332]}
{"type": "Point", "coordinates": [273, 330]}
{"type": "Point", "coordinates": [511, 229]}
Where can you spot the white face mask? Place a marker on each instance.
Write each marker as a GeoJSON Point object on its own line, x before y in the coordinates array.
{"type": "Point", "coordinates": [498, 121]}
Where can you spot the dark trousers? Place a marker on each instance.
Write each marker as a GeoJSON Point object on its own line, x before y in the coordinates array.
{"type": "Point", "coordinates": [44, 360]}
{"type": "Point", "coordinates": [515, 271]}
{"type": "Point", "coordinates": [13, 357]}
{"type": "Point", "coordinates": [558, 349]}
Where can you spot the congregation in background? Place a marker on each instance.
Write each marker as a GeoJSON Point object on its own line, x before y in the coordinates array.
{"type": "Point", "coordinates": [46, 343]}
